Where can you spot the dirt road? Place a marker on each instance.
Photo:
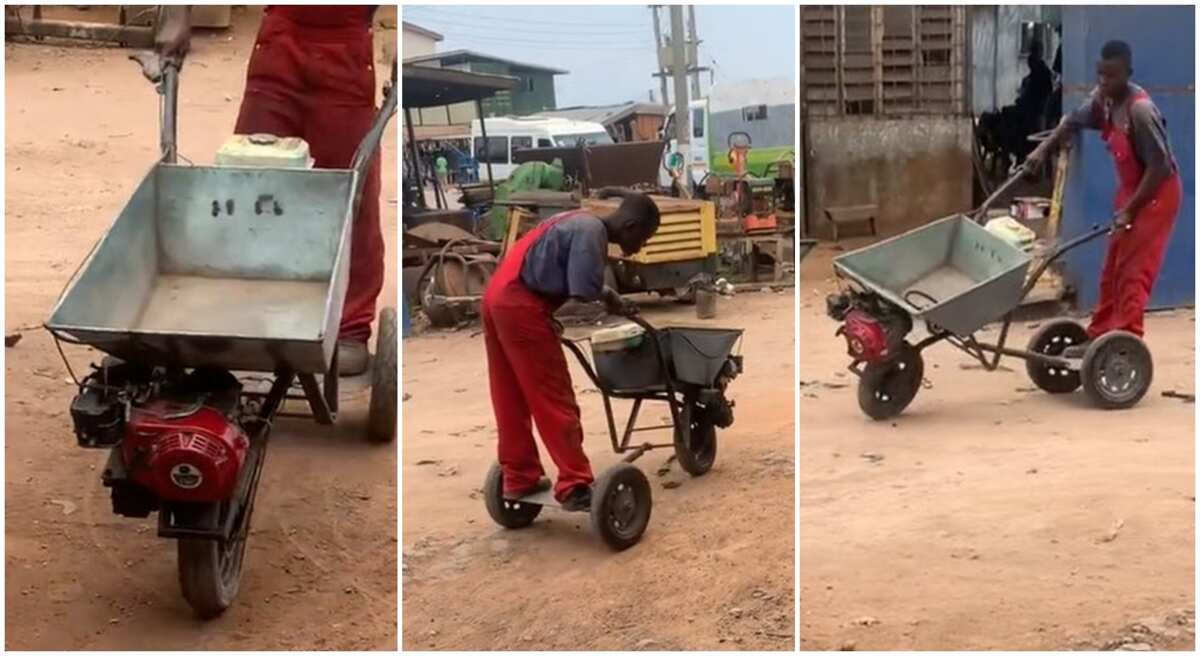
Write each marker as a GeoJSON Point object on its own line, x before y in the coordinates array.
{"type": "Point", "coordinates": [989, 516]}
{"type": "Point", "coordinates": [321, 563]}
{"type": "Point", "coordinates": [713, 571]}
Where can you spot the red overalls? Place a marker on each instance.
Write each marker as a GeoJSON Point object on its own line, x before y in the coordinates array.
{"type": "Point", "coordinates": [312, 75]}
{"type": "Point", "coordinates": [1134, 255]}
{"type": "Point", "coordinates": [527, 372]}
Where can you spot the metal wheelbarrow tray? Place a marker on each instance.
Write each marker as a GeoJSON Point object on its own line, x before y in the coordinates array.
{"type": "Point", "coordinates": [951, 273]}
{"type": "Point", "coordinates": [239, 268]}
{"type": "Point", "coordinates": [958, 277]}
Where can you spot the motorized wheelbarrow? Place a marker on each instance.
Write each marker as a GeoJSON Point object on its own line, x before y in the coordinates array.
{"type": "Point", "coordinates": [956, 277]}
{"type": "Point", "coordinates": [687, 368]}
{"type": "Point", "coordinates": [216, 294]}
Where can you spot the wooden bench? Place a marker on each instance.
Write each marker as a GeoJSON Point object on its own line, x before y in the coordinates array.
{"type": "Point", "coordinates": [846, 214]}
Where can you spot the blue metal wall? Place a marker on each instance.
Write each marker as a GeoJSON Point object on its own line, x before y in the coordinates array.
{"type": "Point", "coordinates": [1163, 43]}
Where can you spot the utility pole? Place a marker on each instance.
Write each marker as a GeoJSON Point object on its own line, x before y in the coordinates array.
{"type": "Point", "coordinates": [693, 51]}
{"type": "Point", "coordinates": [658, 51]}
{"type": "Point", "coordinates": [683, 130]}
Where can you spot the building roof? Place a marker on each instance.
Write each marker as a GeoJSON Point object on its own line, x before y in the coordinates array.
{"type": "Point", "coordinates": [425, 86]}
{"type": "Point", "coordinates": [410, 27]}
{"type": "Point", "coordinates": [606, 114]}
{"type": "Point", "coordinates": [451, 57]}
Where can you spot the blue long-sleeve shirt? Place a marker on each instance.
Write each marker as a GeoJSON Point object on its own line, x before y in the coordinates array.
{"type": "Point", "coordinates": [568, 260]}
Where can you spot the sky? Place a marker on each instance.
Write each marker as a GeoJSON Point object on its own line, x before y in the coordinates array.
{"type": "Point", "coordinates": [609, 50]}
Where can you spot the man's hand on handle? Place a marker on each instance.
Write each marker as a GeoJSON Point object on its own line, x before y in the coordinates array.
{"type": "Point", "coordinates": [174, 36]}
{"type": "Point", "coordinates": [1034, 162]}
{"type": "Point", "coordinates": [617, 305]}
{"type": "Point", "coordinates": [1122, 220]}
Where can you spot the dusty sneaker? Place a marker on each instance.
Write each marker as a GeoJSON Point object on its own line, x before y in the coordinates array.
{"type": "Point", "coordinates": [579, 499]}
{"type": "Point", "coordinates": [352, 358]}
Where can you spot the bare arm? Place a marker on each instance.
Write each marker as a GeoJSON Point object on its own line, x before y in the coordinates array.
{"type": "Point", "coordinates": [1084, 116]}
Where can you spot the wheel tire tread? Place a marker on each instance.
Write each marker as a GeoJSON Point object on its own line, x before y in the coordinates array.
{"type": "Point", "coordinates": [200, 578]}
{"type": "Point", "coordinates": [1088, 371]}
{"type": "Point", "coordinates": [618, 473]}
{"type": "Point", "coordinates": [382, 415]}
{"type": "Point", "coordinates": [871, 377]}
{"type": "Point", "coordinates": [493, 499]}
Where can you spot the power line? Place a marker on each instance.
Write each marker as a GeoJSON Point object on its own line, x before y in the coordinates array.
{"type": "Point", "coordinates": [544, 37]}
{"type": "Point", "coordinates": [438, 10]}
{"type": "Point", "coordinates": [442, 25]}
{"type": "Point", "coordinates": [549, 40]}
{"type": "Point", "coordinates": [550, 45]}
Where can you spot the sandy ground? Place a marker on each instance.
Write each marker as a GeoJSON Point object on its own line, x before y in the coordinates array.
{"type": "Point", "coordinates": [713, 571]}
{"type": "Point", "coordinates": [989, 516]}
{"type": "Point", "coordinates": [321, 570]}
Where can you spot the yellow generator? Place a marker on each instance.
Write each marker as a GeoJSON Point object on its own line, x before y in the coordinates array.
{"type": "Point", "coordinates": [682, 252]}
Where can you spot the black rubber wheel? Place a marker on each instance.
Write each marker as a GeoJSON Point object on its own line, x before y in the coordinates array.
{"type": "Point", "coordinates": [695, 440]}
{"type": "Point", "coordinates": [1117, 370]}
{"type": "Point", "coordinates": [1052, 339]}
{"type": "Point", "coordinates": [621, 505]}
{"type": "Point", "coordinates": [381, 415]}
{"type": "Point", "coordinates": [886, 388]}
{"type": "Point", "coordinates": [509, 514]}
{"type": "Point", "coordinates": [210, 572]}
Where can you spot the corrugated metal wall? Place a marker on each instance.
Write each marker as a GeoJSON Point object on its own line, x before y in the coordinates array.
{"type": "Point", "coordinates": [1163, 43]}
{"type": "Point", "coordinates": [996, 64]}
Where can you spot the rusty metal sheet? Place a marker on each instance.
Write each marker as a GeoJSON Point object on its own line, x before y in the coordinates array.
{"type": "Point", "coordinates": [624, 164]}
{"type": "Point", "coordinates": [603, 165]}
{"type": "Point", "coordinates": [439, 233]}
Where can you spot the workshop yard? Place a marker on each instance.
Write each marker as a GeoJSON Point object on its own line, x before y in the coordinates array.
{"type": "Point", "coordinates": [990, 515]}
{"type": "Point", "coordinates": [714, 569]}
{"type": "Point", "coordinates": [82, 131]}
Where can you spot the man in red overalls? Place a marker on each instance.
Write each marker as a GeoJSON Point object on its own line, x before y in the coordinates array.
{"type": "Point", "coordinates": [1148, 190]}
{"type": "Point", "coordinates": [312, 75]}
{"type": "Point", "coordinates": [562, 258]}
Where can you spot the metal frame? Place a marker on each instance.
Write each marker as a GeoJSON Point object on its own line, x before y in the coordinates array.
{"type": "Point", "coordinates": [980, 351]}
{"type": "Point", "coordinates": [232, 519]}
{"type": "Point", "coordinates": [668, 395]}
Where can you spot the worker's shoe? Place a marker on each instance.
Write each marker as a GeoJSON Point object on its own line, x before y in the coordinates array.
{"type": "Point", "coordinates": [579, 499]}
{"type": "Point", "coordinates": [1077, 351]}
{"type": "Point", "coordinates": [541, 485]}
{"type": "Point", "coordinates": [353, 357]}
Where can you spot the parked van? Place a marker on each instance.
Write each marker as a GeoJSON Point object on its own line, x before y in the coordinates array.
{"type": "Point", "coordinates": [762, 108]}
{"type": "Point", "coordinates": [508, 133]}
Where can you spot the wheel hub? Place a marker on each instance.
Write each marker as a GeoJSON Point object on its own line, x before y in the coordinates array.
{"type": "Point", "coordinates": [622, 506]}
{"type": "Point", "coordinates": [1055, 347]}
{"type": "Point", "coordinates": [1118, 372]}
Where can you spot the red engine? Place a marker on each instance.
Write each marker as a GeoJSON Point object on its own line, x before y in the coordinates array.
{"type": "Point", "coordinates": [182, 452]}
{"type": "Point", "coordinates": [866, 338]}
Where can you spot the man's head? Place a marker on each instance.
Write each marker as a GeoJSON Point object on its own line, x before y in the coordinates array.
{"type": "Point", "coordinates": [1035, 52]}
{"type": "Point", "coordinates": [634, 222]}
{"type": "Point", "coordinates": [1115, 68]}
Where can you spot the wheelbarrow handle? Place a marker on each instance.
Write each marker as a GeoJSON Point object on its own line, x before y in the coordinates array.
{"type": "Point", "coordinates": [163, 73]}
{"type": "Point", "coordinates": [167, 138]}
{"type": "Point", "coordinates": [980, 212]}
{"type": "Point", "coordinates": [1096, 232]}
{"type": "Point", "coordinates": [364, 154]}
{"type": "Point", "coordinates": [645, 325]}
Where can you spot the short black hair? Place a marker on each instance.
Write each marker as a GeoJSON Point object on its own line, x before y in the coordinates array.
{"type": "Point", "coordinates": [1118, 50]}
{"type": "Point", "coordinates": [641, 206]}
